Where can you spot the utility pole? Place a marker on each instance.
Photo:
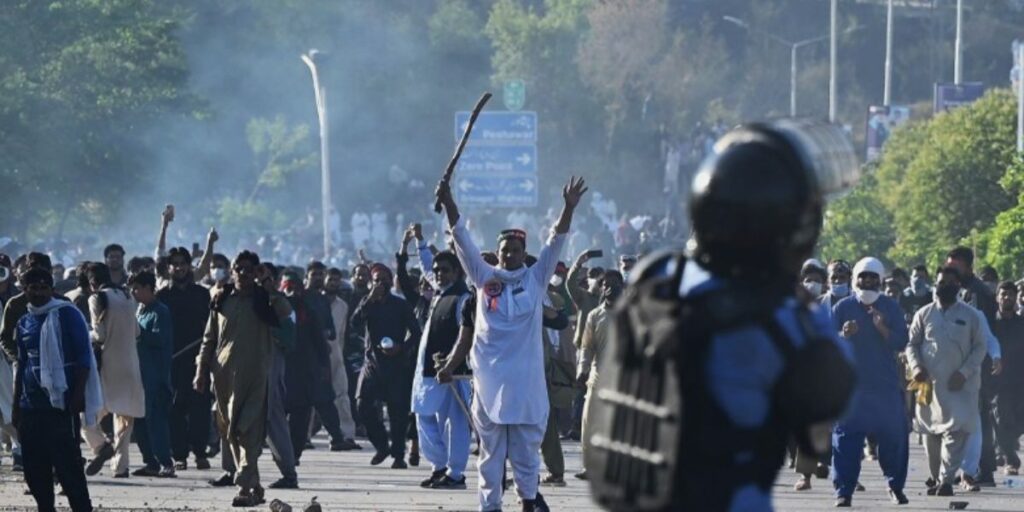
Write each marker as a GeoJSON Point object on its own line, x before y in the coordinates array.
{"type": "Point", "coordinates": [887, 93]}
{"type": "Point", "coordinates": [958, 70]}
{"type": "Point", "coordinates": [320, 96]}
{"type": "Point", "coordinates": [832, 64]}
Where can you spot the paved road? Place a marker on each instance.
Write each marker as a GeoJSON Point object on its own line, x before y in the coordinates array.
{"type": "Point", "coordinates": [346, 481]}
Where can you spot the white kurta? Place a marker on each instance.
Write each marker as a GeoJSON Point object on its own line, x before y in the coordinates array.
{"type": "Point", "coordinates": [944, 342]}
{"type": "Point", "coordinates": [116, 328]}
{"type": "Point", "coordinates": [507, 356]}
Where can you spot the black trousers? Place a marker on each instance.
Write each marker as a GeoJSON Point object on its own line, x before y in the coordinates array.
{"type": "Point", "coordinates": [1009, 413]}
{"type": "Point", "coordinates": [49, 445]}
{"type": "Point", "coordinates": [298, 424]}
{"type": "Point", "coordinates": [375, 390]}
{"type": "Point", "coordinates": [986, 399]}
{"type": "Point", "coordinates": [190, 423]}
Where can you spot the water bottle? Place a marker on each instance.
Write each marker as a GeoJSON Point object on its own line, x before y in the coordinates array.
{"type": "Point", "coordinates": [387, 343]}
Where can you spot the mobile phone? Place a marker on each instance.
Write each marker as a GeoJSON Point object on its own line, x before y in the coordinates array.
{"type": "Point", "coordinates": [596, 253]}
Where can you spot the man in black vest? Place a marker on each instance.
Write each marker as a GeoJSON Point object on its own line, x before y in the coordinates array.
{"type": "Point", "coordinates": [443, 426]}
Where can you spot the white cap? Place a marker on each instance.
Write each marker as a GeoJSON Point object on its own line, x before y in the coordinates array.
{"type": "Point", "coordinates": [868, 264]}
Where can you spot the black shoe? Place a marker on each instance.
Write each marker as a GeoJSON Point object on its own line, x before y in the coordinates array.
{"type": "Point", "coordinates": [399, 464]}
{"type": "Point", "coordinates": [414, 459]}
{"type": "Point", "coordinates": [898, 497]}
{"type": "Point", "coordinates": [225, 480]}
{"type": "Point", "coordinates": [930, 483]}
{"type": "Point", "coordinates": [166, 472]}
{"type": "Point", "coordinates": [582, 475]}
{"type": "Point", "coordinates": [447, 482]}
{"type": "Point", "coordinates": [843, 502]}
{"type": "Point", "coordinates": [202, 463]}
{"type": "Point", "coordinates": [945, 490]}
{"type": "Point", "coordinates": [378, 458]}
{"type": "Point", "coordinates": [435, 476]}
{"type": "Point", "coordinates": [859, 487]}
{"type": "Point", "coordinates": [821, 471]}
{"type": "Point", "coordinates": [146, 471]}
{"type": "Point", "coordinates": [536, 505]}
{"type": "Point", "coordinates": [123, 474]}
{"type": "Point", "coordinates": [985, 480]}
{"type": "Point", "coordinates": [17, 466]}
{"type": "Point", "coordinates": [95, 465]}
{"type": "Point", "coordinates": [285, 483]}
{"type": "Point", "coordinates": [345, 445]}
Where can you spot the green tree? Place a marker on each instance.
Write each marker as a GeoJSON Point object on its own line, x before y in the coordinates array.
{"type": "Point", "coordinates": [857, 225]}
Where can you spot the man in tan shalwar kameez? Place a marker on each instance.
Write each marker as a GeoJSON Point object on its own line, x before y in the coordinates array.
{"type": "Point", "coordinates": [237, 352]}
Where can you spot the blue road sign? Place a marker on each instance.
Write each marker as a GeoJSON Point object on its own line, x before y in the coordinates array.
{"type": "Point", "coordinates": [499, 126]}
{"type": "Point", "coordinates": [949, 96]}
{"type": "Point", "coordinates": [497, 191]}
{"type": "Point", "coordinates": [489, 160]}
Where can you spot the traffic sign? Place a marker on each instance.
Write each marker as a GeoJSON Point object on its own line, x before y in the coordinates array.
{"type": "Point", "coordinates": [948, 96]}
{"type": "Point", "coordinates": [499, 126]}
{"type": "Point", "coordinates": [497, 191]}
{"type": "Point", "coordinates": [514, 94]}
{"type": "Point", "coordinates": [511, 159]}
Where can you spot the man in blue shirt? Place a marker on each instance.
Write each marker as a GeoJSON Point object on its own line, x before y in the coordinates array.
{"type": "Point", "coordinates": [873, 326]}
{"type": "Point", "coordinates": [47, 399]}
{"type": "Point", "coordinates": [155, 343]}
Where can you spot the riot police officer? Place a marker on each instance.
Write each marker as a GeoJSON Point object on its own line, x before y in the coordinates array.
{"type": "Point", "coordinates": [714, 363]}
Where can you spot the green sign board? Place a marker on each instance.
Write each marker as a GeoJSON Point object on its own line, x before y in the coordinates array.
{"type": "Point", "coordinates": [514, 94]}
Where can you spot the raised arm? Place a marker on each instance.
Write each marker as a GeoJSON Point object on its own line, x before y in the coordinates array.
{"type": "Point", "coordinates": [573, 278]}
{"type": "Point", "coordinates": [547, 260]}
{"type": "Point", "coordinates": [207, 259]}
{"type": "Point", "coordinates": [467, 251]}
{"type": "Point", "coordinates": [166, 217]}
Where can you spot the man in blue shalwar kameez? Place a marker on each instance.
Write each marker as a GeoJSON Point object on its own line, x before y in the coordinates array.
{"type": "Point", "coordinates": [873, 326]}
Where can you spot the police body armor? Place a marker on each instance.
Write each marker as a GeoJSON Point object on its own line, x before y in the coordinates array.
{"type": "Point", "coordinates": [656, 439]}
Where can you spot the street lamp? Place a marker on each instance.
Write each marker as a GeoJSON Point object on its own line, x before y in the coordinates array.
{"type": "Point", "coordinates": [793, 47]}
{"type": "Point", "coordinates": [319, 95]}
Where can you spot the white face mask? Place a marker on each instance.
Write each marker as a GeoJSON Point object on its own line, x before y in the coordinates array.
{"type": "Point", "coordinates": [867, 297]}
{"type": "Point", "coordinates": [219, 274]}
{"type": "Point", "coordinates": [813, 287]}
{"type": "Point", "coordinates": [556, 280]}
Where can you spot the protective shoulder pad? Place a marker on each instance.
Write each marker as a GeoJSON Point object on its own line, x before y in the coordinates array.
{"type": "Point", "coordinates": [656, 265]}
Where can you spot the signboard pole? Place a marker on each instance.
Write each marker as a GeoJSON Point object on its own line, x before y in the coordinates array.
{"type": "Point", "coordinates": [1020, 97]}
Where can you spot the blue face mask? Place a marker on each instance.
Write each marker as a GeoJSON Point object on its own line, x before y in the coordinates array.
{"type": "Point", "coordinates": [841, 290]}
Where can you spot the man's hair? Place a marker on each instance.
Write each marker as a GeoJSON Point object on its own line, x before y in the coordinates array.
{"type": "Point", "coordinates": [920, 268]}
{"type": "Point", "coordinates": [37, 275]}
{"type": "Point", "coordinates": [360, 265]}
{"type": "Point", "coordinates": [335, 272]}
{"type": "Point", "coordinates": [948, 270]}
{"type": "Point", "coordinates": [179, 252]}
{"type": "Point", "coordinates": [613, 273]}
{"type": "Point", "coordinates": [513, 234]}
{"type": "Point", "coordinates": [811, 269]}
{"type": "Point", "coordinates": [271, 269]}
{"type": "Point", "coordinates": [315, 265]}
{"type": "Point", "coordinates": [961, 253]}
{"type": "Point", "coordinates": [111, 248]}
{"type": "Point", "coordinates": [99, 272]}
{"type": "Point", "coordinates": [136, 264]}
{"type": "Point", "coordinates": [220, 258]}
{"type": "Point", "coordinates": [449, 258]}
{"type": "Point", "coordinates": [82, 274]}
{"type": "Point", "coordinates": [988, 273]}
{"type": "Point", "coordinates": [595, 272]}
{"type": "Point", "coordinates": [249, 256]}
{"type": "Point", "coordinates": [899, 273]}
{"type": "Point", "coordinates": [1009, 286]}
{"type": "Point", "coordinates": [143, 279]}
{"type": "Point", "coordinates": [380, 267]}
{"type": "Point", "coordinates": [39, 260]}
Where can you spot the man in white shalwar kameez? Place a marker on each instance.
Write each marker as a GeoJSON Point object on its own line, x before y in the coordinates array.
{"type": "Point", "coordinates": [510, 404]}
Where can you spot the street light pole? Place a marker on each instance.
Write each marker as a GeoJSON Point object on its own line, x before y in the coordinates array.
{"type": "Point", "coordinates": [792, 80]}
{"type": "Point", "coordinates": [832, 64]}
{"type": "Point", "coordinates": [958, 71]}
{"type": "Point", "coordinates": [887, 93]}
{"type": "Point", "coordinates": [319, 95]}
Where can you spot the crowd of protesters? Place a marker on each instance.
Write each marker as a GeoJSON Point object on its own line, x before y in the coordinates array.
{"type": "Point", "coordinates": [192, 354]}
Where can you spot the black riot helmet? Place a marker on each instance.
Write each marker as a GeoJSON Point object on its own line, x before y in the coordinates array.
{"type": "Point", "coordinates": [757, 200]}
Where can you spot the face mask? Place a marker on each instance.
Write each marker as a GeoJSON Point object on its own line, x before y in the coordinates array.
{"type": "Point", "coordinates": [919, 286]}
{"type": "Point", "coordinates": [841, 290]}
{"type": "Point", "coordinates": [947, 293]}
{"type": "Point", "coordinates": [867, 297]}
{"type": "Point", "coordinates": [813, 287]}
{"type": "Point", "coordinates": [219, 274]}
{"type": "Point", "coordinates": [556, 280]}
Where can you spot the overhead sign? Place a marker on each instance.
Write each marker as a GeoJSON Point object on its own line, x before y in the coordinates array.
{"type": "Point", "coordinates": [499, 126]}
{"type": "Point", "coordinates": [949, 96]}
{"type": "Point", "coordinates": [490, 160]}
{"type": "Point", "coordinates": [497, 191]}
{"type": "Point", "coordinates": [881, 122]}
{"type": "Point", "coordinates": [514, 94]}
